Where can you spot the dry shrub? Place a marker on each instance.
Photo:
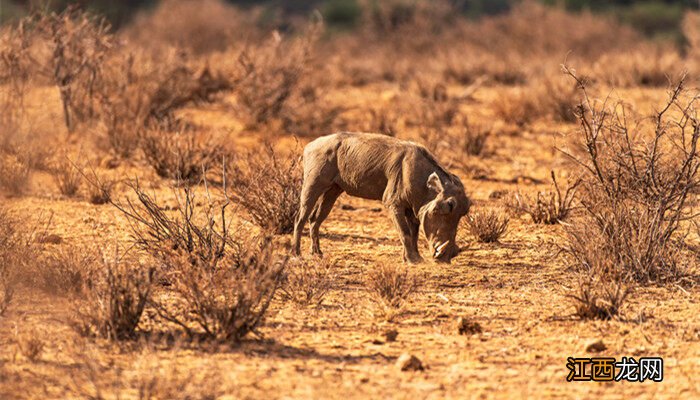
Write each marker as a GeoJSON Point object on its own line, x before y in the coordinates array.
{"type": "Point", "coordinates": [79, 43]}
{"type": "Point", "coordinates": [16, 70]}
{"type": "Point", "coordinates": [200, 27]}
{"type": "Point", "coordinates": [471, 139]}
{"type": "Point", "coordinates": [505, 69]}
{"type": "Point", "coordinates": [691, 32]}
{"type": "Point", "coordinates": [227, 302]}
{"type": "Point", "coordinates": [545, 98]}
{"type": "Point", "coordinates": [17, 254]}
{"type": "Point", "coordinates": [637, 179]}
{"type": "Point", "coordinates": [140, 92]}
{"type": "Point", "coordinates": [67, 270]}
{"type": "Point", "coordinates": [272, 75]}
{"type": "Point", "coordinates": [268, 186]}
{"type": "Point", "coordinates": [14, 175]}
{"type": "Point", "coordinates": [307, 282]}
{"type": "Point", "coordinates": [67, 176]}
{"type": "Point", "coordinates": [99, 188]}
{"type": "Point", "coordinates": [199, 230]}
{"type": "Point", "coordinates": [114, 302]}
{"type": "Point", "coordinates": [185, 155]}
{"type": "Point", "coordinates": [225, 283]}
{"type": "Point", "coordinates": [487, 226]}
{"type": "Point", "coordinates": [461, 142]}
{"type": "Point", "coordinates": [539, 31]}
{"type": "Point", "coordinates": [548, 207]}
{"type": "Point", "coordinates": [392, 284]}
{"type": "Point", "coordinates": [644, 65]}
{"type": "Point", "coordinates": [396, 19]}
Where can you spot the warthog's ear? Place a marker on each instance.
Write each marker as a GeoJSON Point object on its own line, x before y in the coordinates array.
{"type": "Point", "coordinates": [434, 183]}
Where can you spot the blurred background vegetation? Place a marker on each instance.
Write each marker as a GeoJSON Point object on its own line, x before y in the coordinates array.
{"type": "Point", "coordinates": [655, 18]}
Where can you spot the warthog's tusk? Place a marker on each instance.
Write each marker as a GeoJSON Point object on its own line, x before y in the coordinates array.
{"type": "Point", "coordinates": [439, 249]}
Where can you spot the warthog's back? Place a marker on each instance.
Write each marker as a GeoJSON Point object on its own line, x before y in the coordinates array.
{"type": "Point", "coordinates": [364, 161]}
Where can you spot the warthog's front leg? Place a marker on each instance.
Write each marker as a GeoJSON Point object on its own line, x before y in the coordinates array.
{"type": "Point", "coordinates": [408, 238]}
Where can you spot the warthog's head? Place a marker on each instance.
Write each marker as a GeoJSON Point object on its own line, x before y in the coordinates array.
{"type": "Point", "coordinates": [440, 216]}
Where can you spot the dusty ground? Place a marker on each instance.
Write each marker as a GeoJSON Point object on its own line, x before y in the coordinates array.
{"type": "Point", "coordinates": [516, 290]}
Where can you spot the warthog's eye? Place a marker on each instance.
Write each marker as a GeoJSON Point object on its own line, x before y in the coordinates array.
{"type": "Point", "coordinates": [447, 206]}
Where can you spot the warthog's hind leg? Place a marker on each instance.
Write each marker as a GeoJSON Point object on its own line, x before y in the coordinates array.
{"type": "Point", "coordinates": [320, 213]}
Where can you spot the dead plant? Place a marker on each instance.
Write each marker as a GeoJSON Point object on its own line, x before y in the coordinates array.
{"type": "Point", "coordinates": [487, 226]}
{"type": "Point", "coordinates": [67, 270]}
{"type": "Point", "coordinates": [272, 75]}
{"type": "Point", "coordinates": [184, 155]}
{"type": "Point", "coordinates": [67, 176]}
{"type": "Point", "coordinates": [392, 284]}
{"type": "Point", "coordinates": [228, 302]}
{"type": "Point", "coordinates": [14, 175]}
{"type": "Point", "coordinates": [547, 207]}
{"type": "Point", "coordinates": [114, 301]}
{"type": "Point", "coordinates": [200, 231]}
{"type": "Point", "coordinates": [637, 184]}
{"type": "Point", "coordinates": [307, 282]}
{"type": "Point", "coordinates": [79, 44]}
{"type": "Point", "coordinates": [271, 199]}
{"type": "Point", "coordinates": [30, 346]}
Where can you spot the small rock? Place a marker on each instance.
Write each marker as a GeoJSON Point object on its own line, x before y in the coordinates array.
{"type": "Point", "coordinates": [347, 207]}
{"type": "Point", "coordinates": [408, 362]}
{"type": "Point", "coordinates": [498, 194]}
{"type": "Point", "coordinates": [596, 346]}
{"type": "Point", "coordinates": [467, 327]}
{"type": "Point", "coordinates": [50, 238]}
{"type": "Point", "coordinates": [391, 335]}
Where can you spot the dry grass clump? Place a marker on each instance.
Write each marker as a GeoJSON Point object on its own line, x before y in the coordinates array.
{"type": "Point", "coordinates": [67, 176]}
{"type": "Point", "coordinates": [636, 183]}
{"type": "Point", "coordinates": [392, 284]}
{"type": "Point", "coordinates": [271, 199]}
{"type": "Point", "coordinates": [487, 226]}
{"type": "Point", "coordinates": [114, 301]}
{"type": "Point", "coordinates": [66, 270]}
{"type": "Point", "coordinates": [472, 139]}
{"type": "Point", "coordinates": [602, 286]}
{"type": "Point", "coordinates": [30, 346]}
{"type": "Point", "coordinates": [546, 207]}
{"type": "Point", "coordinates": [307, 282]}
{"type": "Point", "coordinates": [599, 298]}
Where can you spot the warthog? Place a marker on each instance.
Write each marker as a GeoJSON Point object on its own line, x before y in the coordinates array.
{"type": "Point", "coordinates": [414, 188]}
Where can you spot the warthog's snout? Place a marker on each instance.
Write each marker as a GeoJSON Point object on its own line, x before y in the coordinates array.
{"type": "Point", "coordinates": [444, 252]}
